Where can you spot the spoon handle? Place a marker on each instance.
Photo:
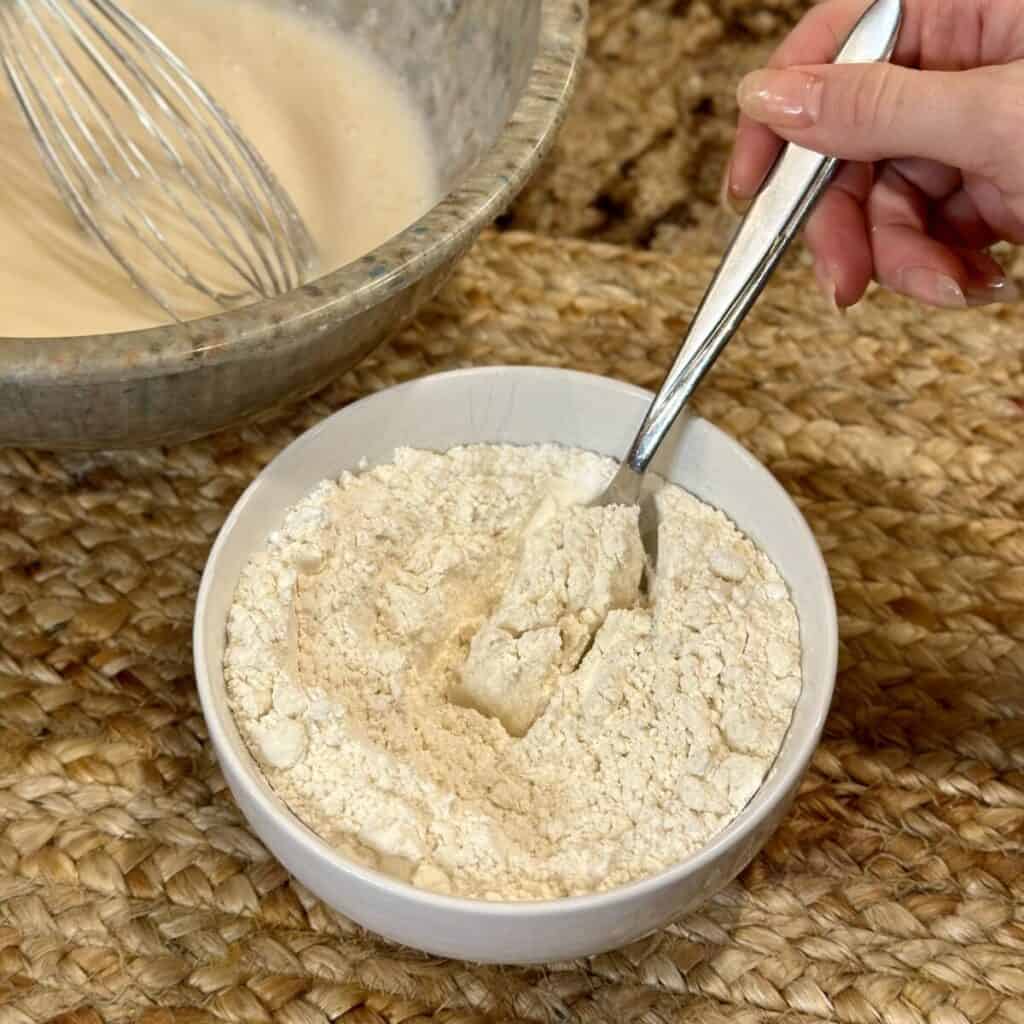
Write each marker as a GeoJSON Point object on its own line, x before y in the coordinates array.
{"type": "Point", "coordinates": [790, 191]}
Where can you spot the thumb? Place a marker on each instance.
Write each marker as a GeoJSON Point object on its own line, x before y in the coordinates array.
{"type": "Point", "coordinates": [869, 112]}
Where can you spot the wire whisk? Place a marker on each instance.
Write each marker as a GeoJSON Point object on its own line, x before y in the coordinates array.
{"type": "Point", "coordinates": [147, 161]}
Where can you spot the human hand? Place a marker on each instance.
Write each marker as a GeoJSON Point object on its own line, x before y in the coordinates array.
{"type": "Point", "coordinates": [934, 140]}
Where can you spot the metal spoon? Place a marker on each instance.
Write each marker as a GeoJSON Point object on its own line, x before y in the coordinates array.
{"type": "Point", "coordinates": [793, 186]}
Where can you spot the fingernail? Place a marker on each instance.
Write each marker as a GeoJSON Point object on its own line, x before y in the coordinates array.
{"type": "Point", "coordinates": [740, 204]}
{"type": "Point", "coordinates": [998, 290]}
{"type": "Point", "coordinates": [728, 199]}
{"type": "Point", "coordinates": [789, 99]}
{"type": "Point", "coordinates": [827, 284]}
{"type": "Point", "coordinates": [725, 193]}
{"type": "Point", "coordinates": [927, 285]}
{"type": "Point", "coordinates": [987, 282]}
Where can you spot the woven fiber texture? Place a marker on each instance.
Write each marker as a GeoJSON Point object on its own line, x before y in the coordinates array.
{"type": "Point", "coordinates": [130, 887]}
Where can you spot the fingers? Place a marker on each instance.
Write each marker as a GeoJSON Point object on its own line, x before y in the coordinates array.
{"type": "Point", "coordinates": [910, 261]}
{"type": "Point", "coordinates": [937, 35]}
{"type": "Point", "coordinates": [837, 235]}
{"type": "Point", "coordinates": [957, 222]}
{"type": "Point", "coordinates": [820, 34]}
{"type": "Point", "coordinates": [871, 112]}
{"type": "Point", "coordinates": [906, 259]}
{"type": "Point", "coordinates": [953, 181]}
{"type": "Point", "coordinates": [814, 41]}
{"type": "Point", "coordinates": [998, 210]}
{"type": "Point", "coordinates": [754, 151]}
{"type": "Point", "coordinates": [953, 218]}
{"type": "Point", "coordinates": [987, 281]}
{"type": "Point", "coordinates": [934, 180]}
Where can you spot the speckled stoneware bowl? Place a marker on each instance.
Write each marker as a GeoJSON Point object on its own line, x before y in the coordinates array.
{"type": "Point", "coordinates": [493, 78]}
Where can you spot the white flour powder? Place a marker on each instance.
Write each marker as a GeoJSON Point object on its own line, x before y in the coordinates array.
{"type": "Point", "coordinates": [448, 670]}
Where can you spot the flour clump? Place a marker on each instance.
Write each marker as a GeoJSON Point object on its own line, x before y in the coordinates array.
{"type": "Point", "coordinates": [448, 667]}
{"type": "Point", "coordinates": [575, 567]}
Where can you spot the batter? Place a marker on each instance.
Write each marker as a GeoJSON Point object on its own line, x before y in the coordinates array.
{"type": "Point", "coordinates": [332, 122]}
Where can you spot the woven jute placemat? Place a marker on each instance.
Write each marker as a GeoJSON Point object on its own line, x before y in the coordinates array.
{"type": "Point", "coordinates": [130, 887]}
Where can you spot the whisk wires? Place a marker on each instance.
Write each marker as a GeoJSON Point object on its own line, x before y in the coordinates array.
{"type": "Point", "coordinates": [146, 160]}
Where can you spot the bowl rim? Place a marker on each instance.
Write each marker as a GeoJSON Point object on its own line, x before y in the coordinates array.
{"type": "Point", "coordinates": [258, 789]}
{"type": "Point", "coordinates": [422, 247]}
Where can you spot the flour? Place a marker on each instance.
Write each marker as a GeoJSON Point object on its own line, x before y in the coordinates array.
{"type": "Point", "coordinates": [448, 670]}
{"type": "Point", "coordinates": [577, 564]}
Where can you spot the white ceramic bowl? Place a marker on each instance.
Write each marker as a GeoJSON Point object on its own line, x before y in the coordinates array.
{"type": "Point", "coordinates": [518, 406]}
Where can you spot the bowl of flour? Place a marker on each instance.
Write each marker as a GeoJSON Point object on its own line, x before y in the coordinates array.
{"type": "Point", "coordinates": [461, 706]}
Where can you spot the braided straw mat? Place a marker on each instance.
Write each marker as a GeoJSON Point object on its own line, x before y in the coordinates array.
{"type": "Point", "coordinates": [130, 887]}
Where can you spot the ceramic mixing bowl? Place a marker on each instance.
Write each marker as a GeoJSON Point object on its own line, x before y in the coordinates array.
{"type": "Point", "coordinates": [518, 406]}
{"type": "Point", "coordinates": [493, 78]}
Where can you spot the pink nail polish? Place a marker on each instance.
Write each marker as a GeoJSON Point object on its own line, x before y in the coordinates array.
{"type": "Point", "coordinates": [788, 99]}
{"type": "Point", "coordinates": [987, 282]}
{"type": "Point", "coordinates": [1001, 291]}
{"type": "Point", "coordinates": [929, 286]}
{"type": "Point", "coordinates": [729, 200]}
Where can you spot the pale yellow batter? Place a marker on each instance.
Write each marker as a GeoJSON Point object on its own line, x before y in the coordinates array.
{"type": "Point", "coordinates": [333, 123]}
